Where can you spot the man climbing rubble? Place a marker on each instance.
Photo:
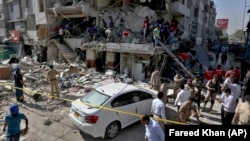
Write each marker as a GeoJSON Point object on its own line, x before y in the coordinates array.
{"type": "Point", "coordinates": [53, 81]}
{"type": "Point", "coordinates": [19, 83]}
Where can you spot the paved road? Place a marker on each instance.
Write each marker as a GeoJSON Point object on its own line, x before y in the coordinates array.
{"type": "Point", "coordinates": [202, 55]}
{"type": "Point", "coordinates": [63, 130]}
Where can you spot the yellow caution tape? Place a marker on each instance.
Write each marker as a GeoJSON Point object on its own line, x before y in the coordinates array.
{"type": "Point", "coordinates": [93, 105]}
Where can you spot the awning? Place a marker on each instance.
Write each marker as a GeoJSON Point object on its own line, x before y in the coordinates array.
{"type": "Point", "coordinates": [17, 20]}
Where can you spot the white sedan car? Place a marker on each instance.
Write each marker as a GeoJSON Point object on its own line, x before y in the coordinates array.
{"type": "Point", "coordinates": [105, 110]}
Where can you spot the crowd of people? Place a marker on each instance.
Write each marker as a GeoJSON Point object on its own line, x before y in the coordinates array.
{"type": "Point", "coordinates": [216, 84]}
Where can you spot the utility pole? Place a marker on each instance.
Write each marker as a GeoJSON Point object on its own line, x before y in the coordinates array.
{"type": "Point", "coordinates": [247, 44]}
{"type": "Point", "coordinates": [242, 34]}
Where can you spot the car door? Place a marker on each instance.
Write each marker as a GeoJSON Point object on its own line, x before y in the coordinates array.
{"type": "Point", "coordinates": [144, 104]}
{"type": "Point", "coordinates": [126, 105]}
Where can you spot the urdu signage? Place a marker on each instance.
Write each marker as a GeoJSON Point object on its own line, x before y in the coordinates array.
{"type": "Point", "coordinates": [222, 23]}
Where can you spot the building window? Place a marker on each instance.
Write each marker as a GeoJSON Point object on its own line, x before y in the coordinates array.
{"type": "Point", "coordinates": [10, 6]}
{"type": "Point", "coordinates": [196, 12]}
{"type": "Point", "coordinates": [41, 6]}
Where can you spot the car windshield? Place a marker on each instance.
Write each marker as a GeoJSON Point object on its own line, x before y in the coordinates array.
{"type": "Point", "coordinates": [94, 97]}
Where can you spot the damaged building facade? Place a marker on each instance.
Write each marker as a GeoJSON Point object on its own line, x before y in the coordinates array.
{"type": "Point", "coordinates": [105, 34]}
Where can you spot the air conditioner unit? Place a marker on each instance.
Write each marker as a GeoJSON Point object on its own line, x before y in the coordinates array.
{"type": "Point", "coordinates": [1, 17]}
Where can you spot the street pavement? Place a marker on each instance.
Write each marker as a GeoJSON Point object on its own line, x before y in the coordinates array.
{"type": "Point", "coordinates": [202, 55]}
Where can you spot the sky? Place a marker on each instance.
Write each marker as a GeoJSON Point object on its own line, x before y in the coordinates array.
{"type": "Point", "coordinates": [234, 11]}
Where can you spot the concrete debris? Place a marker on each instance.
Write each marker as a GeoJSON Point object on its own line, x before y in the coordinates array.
{"type": "Point", "coordinates": [75, 80]}
{"type": "Point", "coordinates": [47, 121]}
{"type": "Point", "coordinates": [2, 136]}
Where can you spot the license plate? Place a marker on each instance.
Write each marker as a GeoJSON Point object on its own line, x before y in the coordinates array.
{"type": "Point", "coordinates": [76, 115]}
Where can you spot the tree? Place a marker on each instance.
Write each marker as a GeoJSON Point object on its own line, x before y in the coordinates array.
{"type": "Point", "coordinates": [218, 32]}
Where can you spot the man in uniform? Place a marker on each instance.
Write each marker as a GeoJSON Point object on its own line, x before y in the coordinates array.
{"type": "Point", "coordinates": [53, 81]}
{"type": "Point", "coordinates": [156, 79]}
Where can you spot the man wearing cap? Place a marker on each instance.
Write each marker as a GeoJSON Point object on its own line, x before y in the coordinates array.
{"type": "Point", "coordinates": [53, 81]}
{"type": "Point", "coordinates": [19, 83]}
{"type": "Point", "coordinates": [12, 123]}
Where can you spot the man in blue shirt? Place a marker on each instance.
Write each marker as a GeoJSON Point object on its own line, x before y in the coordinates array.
{"type": "Point", "coordinates": [12, 122]}
{"type": "Point", "coordinates": [154, 131]}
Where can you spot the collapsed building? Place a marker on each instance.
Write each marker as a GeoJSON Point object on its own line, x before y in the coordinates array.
{"type": "Point", "coordinates": [123, 53]}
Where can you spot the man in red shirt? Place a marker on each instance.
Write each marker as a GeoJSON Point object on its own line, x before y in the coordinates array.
{"type": "Point", "coordinates": [237, 72]}
{"type": "Point", "coordinates": [220, 73]}
{"type": "Point", "coordinates": [209, 74]}
{"type": "Point", "coordinates": [229, 72]}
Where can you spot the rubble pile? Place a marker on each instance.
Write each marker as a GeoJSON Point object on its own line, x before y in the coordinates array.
{"type": "Point", "coordinates": [74, 81]}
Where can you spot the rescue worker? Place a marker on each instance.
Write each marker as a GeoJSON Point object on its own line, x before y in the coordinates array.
{"type": "Point", "coordinates": [156, 79]}
{"type": "Point", "coordinates": [209, 74]}
{"type": "Point", "coordinates": [220, 73]}
{"type": "Point", "coordinates": [237, 72]}
{"type": "Point", "coordinates": [19, 83]}
{"type": "Point", "coordinates": [186, 110]}
{"type": "Point", "coordinates": [53, 81]}
{"type": "Point", "coordinates": [229, 72]}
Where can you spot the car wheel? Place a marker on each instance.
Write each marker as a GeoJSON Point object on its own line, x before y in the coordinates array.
{"type": "Point", "coordinates": [112, 130]}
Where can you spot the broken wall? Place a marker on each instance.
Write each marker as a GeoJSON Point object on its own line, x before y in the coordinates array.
{"type": "Point", "coordinates": [129, 16]}
{"type": "Point", "coordinates": [41, 31]}
{"type": "Point", "coordinates": [126, 63]}
{"type": "Point", "coordinates": [52, 23]}
{"type": "Point", "coordinates": [103, 3]}
{"type": "Point", "coordinates": [52, 52]}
